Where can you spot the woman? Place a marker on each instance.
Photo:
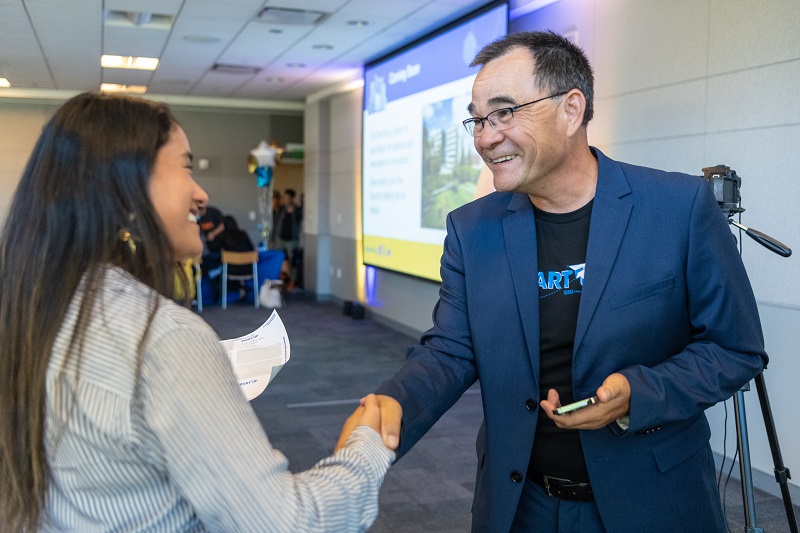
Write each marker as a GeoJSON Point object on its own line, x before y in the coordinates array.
{"type": "Point", "coordinates": [119, 408]}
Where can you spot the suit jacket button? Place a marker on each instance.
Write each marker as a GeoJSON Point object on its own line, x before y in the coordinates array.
{"type": "Point", "coordinates": [516, 477]}
{"type": "Point", "coordinates": [531, 404]}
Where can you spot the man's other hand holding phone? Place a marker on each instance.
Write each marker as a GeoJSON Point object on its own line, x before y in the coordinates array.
{"type": "Point", "coordinates": [613, 402]}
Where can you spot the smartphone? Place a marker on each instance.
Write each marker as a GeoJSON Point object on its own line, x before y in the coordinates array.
{"type": "Point", "coordinates": [564, 409]}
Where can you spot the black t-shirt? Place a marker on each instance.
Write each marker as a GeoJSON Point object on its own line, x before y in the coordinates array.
{"type": "Point", "coordinates": [561, 241]}
{"type": "Point", "coordinates": [289, 224]}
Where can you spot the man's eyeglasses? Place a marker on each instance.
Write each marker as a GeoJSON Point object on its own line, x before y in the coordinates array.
{"type": "Point", "coordinates": [500, 119]}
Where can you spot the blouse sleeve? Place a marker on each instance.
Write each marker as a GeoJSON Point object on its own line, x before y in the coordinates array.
{"type": "Point", "coordinates": [217, 454]}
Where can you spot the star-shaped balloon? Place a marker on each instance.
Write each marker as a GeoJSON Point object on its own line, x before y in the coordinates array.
{"type": "Point", "coordinates": [260, 162]}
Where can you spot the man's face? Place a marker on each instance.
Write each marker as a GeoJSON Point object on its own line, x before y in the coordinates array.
{"type": "Point", "coordinates": [522, 156]}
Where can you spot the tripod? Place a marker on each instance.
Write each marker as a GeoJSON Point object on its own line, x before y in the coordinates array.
{"type": "Point", "coordinates": [782, 474]}
{"type": "Point", "coordinates": [725, 184]}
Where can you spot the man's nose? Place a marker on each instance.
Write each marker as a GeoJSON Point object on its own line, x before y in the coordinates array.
{"type": "Point", "coordinates": [488, 137]}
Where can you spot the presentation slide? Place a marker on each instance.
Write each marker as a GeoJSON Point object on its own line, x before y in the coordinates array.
{"type": "Point", "coordinates": [418, 162]}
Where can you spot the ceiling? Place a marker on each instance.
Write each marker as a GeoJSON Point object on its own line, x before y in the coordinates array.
{"type": "Point", "coordinates": [55, 45]}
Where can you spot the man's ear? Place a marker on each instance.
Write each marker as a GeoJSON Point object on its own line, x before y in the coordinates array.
{"type": "Point", "coordinates": [574, 107]}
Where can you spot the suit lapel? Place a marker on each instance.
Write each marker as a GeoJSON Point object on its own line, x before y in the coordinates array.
{"type": "Point", "coordinates": [519, 230]}
{"type": "Point", "coordinates": [610, 217]}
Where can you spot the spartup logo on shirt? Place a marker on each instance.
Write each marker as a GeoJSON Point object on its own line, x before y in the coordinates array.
{"type": "Point", "coordinates": [567, 281]}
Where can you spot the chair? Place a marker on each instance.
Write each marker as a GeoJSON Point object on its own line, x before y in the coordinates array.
{"type": "Point", "coordinates": [239, 258]}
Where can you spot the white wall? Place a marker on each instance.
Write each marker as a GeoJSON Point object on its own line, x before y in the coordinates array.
{"type": "Point", "coordinates": [680, 85]}
{"type": "Point", "coordinates": [316, 211]}
{"type": "Point", "coordinates": [20, 126]}
{"type": "Point", "coordinates": [223, 136]}
{"type": "Point", "coordinates": [333, 200]}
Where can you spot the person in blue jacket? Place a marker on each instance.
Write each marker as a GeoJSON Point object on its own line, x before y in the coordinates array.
{"type": "Point", "coordinates": [579, 277]}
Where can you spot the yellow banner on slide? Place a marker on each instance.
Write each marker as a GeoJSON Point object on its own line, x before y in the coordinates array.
{"type": "Point", "coordinates": [414, 258]}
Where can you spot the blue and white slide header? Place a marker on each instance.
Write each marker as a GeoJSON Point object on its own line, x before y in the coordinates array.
{"type": "Point", "coordinates": [444, 58]}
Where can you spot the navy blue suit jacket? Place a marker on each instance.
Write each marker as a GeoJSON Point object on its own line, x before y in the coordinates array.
{"type": "Point", "coordinates": [666, 302]}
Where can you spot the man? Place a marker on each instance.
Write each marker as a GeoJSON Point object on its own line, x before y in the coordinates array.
{"type": "Point", "coordinates": [290, 217]}
{"type": "Point", "coordinates": [579, 277]}
{"type": "Point", "coordinates": [276, 205]}
{"type": "Point", "coordinates": [212, 226]}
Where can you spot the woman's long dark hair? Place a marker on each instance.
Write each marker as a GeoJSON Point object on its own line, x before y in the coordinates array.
{"type": "Point", "coordinates": [84, 187]}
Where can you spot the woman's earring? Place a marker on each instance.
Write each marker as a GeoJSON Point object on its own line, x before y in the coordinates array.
{"type": "Point", "coordinates": [125, 236]}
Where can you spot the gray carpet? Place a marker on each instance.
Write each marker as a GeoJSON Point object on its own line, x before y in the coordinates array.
{"type": "Point", "coordinates": [334, 361]}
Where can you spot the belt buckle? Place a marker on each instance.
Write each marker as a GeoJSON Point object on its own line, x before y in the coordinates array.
{"type": "Point", "coordinates": [547, 484]}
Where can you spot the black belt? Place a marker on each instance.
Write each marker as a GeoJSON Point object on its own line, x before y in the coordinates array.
{"type": "Point", "coordinates": [564, 489]}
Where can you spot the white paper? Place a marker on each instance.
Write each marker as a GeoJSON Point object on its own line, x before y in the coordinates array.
{"type": "Point", "coordinates": [258, 356]}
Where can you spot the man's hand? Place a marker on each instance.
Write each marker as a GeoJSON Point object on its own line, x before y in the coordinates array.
{"type": "Point", "coordinates": [613, 396]}
{"type": "Point", "coordinates": [381, 413]}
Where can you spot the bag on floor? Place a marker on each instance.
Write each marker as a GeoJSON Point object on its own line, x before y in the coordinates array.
{"type": "Point", "coordinates": [269, 296]}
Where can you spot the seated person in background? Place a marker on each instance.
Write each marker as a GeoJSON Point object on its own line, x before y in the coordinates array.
{"type": "Point", "coordinates": [210, 220]}
{"type": "Point", "coordinates": [233, 239]}
{"type": "Point", "coordinates": [119, 408]}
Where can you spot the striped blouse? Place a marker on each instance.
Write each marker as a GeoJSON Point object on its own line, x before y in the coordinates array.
{"type": "Point", "coordinates": [189, 455]}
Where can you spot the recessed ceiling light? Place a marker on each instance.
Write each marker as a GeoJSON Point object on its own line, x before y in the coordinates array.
{"type": "Point", "coordinates": [322, 47]}
{"type": "Point", "coordinates": [175, 81]}
{"type": "Point", "coordinates": [201, 39]}
{"type": "Point", "coordinates": [358, 23]}
{"type": "Point", "coordinates": [286, 15]}
{"type": "Point", "coordinates": [4, 83]}
{"type": "Point", "coordinates": [296, 65]}
{"type": "Point", "coordinates": [117, 88]}
{"type": "Point", "coordinates": [138, 63]}
{"type": "Point", "coordinates": [227, 68]}
{"type": "Point", "coordinates": [138, 19]}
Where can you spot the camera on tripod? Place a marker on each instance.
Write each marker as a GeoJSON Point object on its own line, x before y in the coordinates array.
{"type": "Point", "coordinates": [726, 186]}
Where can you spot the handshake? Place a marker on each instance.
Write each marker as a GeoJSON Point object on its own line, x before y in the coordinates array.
{"type": "Point", "coordinates": [381, 413]}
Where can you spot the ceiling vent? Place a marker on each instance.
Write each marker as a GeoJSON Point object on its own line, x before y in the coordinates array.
{"type": "Point", "coordinates": [294, 17]}
{"type": "Point", "coordinates": [138, 19]}
{"type": "Point", "coordinates": [225, 68]}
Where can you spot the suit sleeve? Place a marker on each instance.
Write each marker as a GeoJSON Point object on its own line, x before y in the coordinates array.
{"type": "Point", "coordinates": [726, 349]}
{"type": "Point", "coordinates": [442, 366]}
